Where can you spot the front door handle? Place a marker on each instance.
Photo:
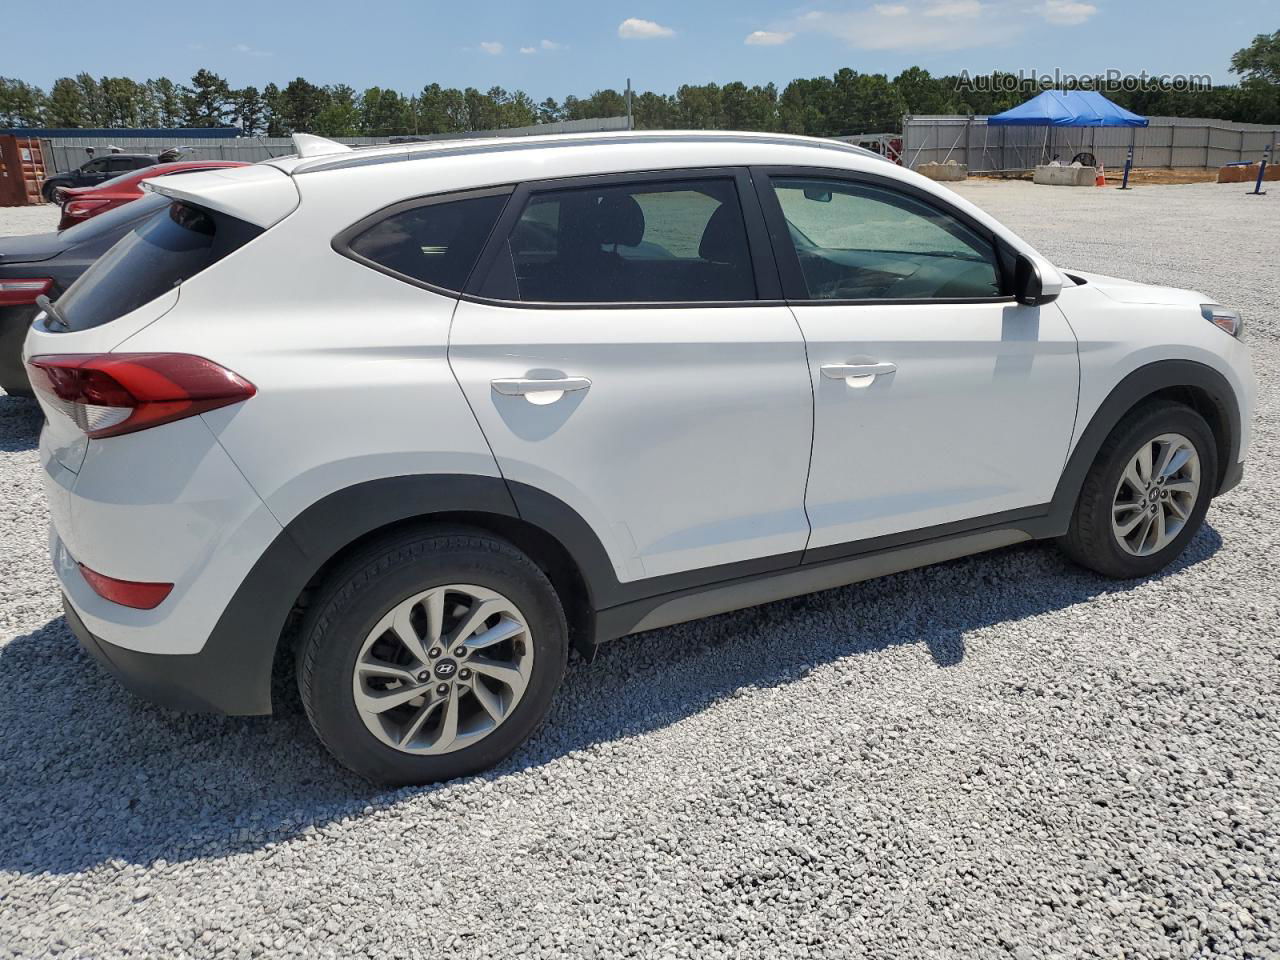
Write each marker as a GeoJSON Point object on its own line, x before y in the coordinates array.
{"type": "Point", "coordinates": [539, 391]}
{"type": "Point", "coordinates": [862, 372]}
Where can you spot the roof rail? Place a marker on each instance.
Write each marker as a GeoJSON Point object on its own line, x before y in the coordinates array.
{"type": "Point", "coordinates": [371, 155]}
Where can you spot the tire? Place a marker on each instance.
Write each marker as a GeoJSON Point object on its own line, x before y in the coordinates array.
{"type": "Point", "coordinates": [1109, 490]}
{"type": "Point", "coordinates": [50, 191]}
{"type": "Point", "coordinates": [399, 583]}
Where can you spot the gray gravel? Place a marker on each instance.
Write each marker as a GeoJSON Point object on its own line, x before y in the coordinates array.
{"type": "Point", "coordinates": [16, 221]}
{"type": "Point", "coordinates": [999, 756]}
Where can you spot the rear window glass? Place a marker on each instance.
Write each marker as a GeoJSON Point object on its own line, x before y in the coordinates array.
{"type": "Point", "coordinates": [435, 243]}
{"type": "Point", "coordinates": [154, 257]}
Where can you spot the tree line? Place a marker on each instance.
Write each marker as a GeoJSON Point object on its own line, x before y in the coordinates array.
{"type": "Point", "coordinates": [847, 102]}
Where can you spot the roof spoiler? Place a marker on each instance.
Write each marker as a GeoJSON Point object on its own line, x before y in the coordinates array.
{"type": "Point", "coordinates": [309, 145]}
{"type": "Point", "coordinates": [259, 193]}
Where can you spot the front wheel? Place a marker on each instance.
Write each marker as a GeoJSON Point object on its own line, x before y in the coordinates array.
{"type": "Point", "coordinates": [431, 656]}
{"type": "Point", "coordinates": [1146, 494]}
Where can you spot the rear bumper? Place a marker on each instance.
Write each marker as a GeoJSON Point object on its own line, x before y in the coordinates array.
{"type": "Point", "coordinates": [215, 680]}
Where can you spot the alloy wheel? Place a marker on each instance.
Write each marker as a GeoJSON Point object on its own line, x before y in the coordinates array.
{"type": "Point", "coordinates": [443, 669]}
{"type": "Point", "coordinates": [1156, 494]}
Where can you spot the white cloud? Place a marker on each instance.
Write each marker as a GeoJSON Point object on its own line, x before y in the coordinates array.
{"type": "Point", "coordinates": [633, 28]}
{"type": "Point", "coordinates": [550, 46]}
{"type": "Point", "coordinates": [1066, 13]}
{"type": "Point", "coordinates": [955, 9]}
{"type": "Point", "coordinates": [491, 47]}
{"type": "Point", "coordinates": [767, 38]}
{"type": "Point", "coordinates": [939, 25]}
{"type": "Point", "coordinates": [250, 51]}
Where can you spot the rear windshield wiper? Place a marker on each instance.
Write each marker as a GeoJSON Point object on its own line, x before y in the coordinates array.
{"type": "Point", "coordinates": [51, 311]}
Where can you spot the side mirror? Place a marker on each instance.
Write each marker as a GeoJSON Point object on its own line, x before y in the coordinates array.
{"type": "Point", "coordinates": [817, 194]}
{"type": "Point", "coordinates": [1029, 287]}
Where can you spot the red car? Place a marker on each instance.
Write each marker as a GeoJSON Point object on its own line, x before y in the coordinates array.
{"type": "Point", "coordinates": [79, 204]}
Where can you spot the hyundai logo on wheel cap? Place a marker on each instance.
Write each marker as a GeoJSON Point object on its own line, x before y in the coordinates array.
{"type": "Point", "coordinates": [446, 669]}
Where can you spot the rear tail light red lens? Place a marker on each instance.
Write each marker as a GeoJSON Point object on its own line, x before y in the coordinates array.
{"type": "Point", "coordinates": [22, 291]}
{"type": "Point", "coordinates": [127, 593]}
{"type": "Point", "coordinates": [82, 208]}
{"type": "Point", "coordinates": [108, 394]}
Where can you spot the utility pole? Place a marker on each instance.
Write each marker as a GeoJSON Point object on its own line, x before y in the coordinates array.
{"type": "Point", "coordinates": [631, 124]}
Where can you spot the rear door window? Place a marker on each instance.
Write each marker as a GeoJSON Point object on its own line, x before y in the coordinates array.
{"type": "Point", "coordinates": [155, 256]}
{"type": "Point", "coordinates": [435, 243]}
{"type": "Point", "coordinates": [651, 242]}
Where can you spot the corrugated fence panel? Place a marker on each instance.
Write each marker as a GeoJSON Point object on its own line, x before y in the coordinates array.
{"type": "Point", "coordinates": [1167, 142]}
{"type": "Point", "coordinates": [67, 153]}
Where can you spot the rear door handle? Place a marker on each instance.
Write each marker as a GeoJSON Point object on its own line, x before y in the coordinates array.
{"type": "Point", "coordinates": [539, 391]}
{"type": "Point", "coordinates": [857, 371]}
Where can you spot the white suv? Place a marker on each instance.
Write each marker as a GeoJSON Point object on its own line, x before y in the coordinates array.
{"type": "Point", "coordinates": [428, 414]}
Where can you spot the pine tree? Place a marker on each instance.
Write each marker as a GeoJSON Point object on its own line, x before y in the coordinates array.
{"type": "Point", "coordinates": [66, 104]}
{"type": "Point", "coordinates": [250, 111]}
{"type": "Point", "coordinates": [207, 102]}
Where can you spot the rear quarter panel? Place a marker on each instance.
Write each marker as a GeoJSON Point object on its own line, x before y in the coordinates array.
{"type": "Point", "coordinates": [350, 364]}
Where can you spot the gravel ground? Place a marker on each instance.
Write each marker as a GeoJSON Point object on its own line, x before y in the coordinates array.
{"type": "Point", "coordinates": [998, 756]}
{"type": "Point", "coordinates": [15, 221]}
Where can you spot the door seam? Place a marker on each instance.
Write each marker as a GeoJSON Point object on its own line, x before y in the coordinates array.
{"type": "Point", "coordinates": [813, 428]}
{"type": "Point", "coordinates": [1073, 437]}
{"type": "Point", "coordinates": [448, 359]}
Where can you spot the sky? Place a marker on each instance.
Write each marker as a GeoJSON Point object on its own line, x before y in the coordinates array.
{"type": "Point", "coordinates": [555, 47]}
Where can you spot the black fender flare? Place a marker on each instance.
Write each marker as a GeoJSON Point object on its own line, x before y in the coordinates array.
{"type": "Point", "coordinates": [239, 654]}
{"type": "Point", "coordinates": [1127, 394]}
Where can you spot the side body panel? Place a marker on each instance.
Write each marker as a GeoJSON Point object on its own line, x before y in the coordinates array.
{"type": "Point", "coordinates": [1118, 338]}
{"type": "Point", "coordinates": [689, 449]}
{"type": "Point", "coordinates": [975, 420]}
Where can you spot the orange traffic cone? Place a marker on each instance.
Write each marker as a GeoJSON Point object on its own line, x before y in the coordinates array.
{"type": "Point", "coordinates": [1101, 181]}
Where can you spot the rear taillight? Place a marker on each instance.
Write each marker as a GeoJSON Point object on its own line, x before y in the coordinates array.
{"type": "Point", "coordinates": [107, 394]}
{"type": "Point", "coordinates": [82, 208]}
{"type": "Point", "coordinates": [127, 593]}
{"type": "Point", "coordinates": [22, 291]}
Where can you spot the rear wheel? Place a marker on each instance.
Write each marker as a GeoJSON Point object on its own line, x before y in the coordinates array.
{"type": "Point", "coordinates": [1147, 493]}
{"type": "Point", "coordinates": [431, 656]}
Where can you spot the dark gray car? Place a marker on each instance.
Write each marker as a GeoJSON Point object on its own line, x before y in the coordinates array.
{"type": "Point", "coordinates": [96, 171]}
{"type": "Point", "coordinates": [59, 258]}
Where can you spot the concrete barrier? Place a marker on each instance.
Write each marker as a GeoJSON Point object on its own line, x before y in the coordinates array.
{"type": "Point", "coordinates": [1066, 176]}
{"type": "Point", "coordinates": [945, 172]}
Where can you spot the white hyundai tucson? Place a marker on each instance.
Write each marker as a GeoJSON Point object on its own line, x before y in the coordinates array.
{"type": "Point", "coordinates": [427, 414]}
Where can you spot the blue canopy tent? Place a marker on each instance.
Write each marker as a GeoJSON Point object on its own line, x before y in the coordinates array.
{"type": "Point", "coordinates": [1066, 108]}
